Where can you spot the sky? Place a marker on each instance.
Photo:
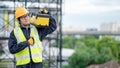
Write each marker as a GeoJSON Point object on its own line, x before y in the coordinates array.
{"type": "Point", "coordinates": [90, 13]}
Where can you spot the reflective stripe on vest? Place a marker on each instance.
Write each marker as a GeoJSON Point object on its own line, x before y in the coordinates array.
{"type": "Point", "coordinates": [23, 56]}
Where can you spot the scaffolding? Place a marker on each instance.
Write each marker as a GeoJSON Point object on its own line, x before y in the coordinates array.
{"type": "Point", "coordinates": [52, 56]}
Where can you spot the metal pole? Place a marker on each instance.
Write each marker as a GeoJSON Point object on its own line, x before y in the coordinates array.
{"type": "Point", "coordinates": [60, 33]}
{"type": "Point", "coordinates": [25, 3]}
{"type": "Point", "coordinates": [13, 13]}
{"type": "Point", "coordinates": [14, 26]}
{"type": "Point", "coordinates": [49, 63]}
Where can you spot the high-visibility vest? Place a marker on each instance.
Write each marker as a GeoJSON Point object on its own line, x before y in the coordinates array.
{"type": "Point", "coordinates": [23, 57]}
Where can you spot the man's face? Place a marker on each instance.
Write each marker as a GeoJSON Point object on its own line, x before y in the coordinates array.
{"type": "Point", "coordinates": [24, 19]}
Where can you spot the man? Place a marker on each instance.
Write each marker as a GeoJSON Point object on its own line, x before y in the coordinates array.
{"type": "Point", "coordinates": [25, 40]}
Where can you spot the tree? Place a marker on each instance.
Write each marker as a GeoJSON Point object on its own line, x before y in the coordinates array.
{"type": "Point", "coordinates": [69, 42]}
{"type": "Point", "coordinates": [79, 59]}
{"type": "Point", "coordinates": [109, 42]}
{"type": "Point", "coordinates": [94, 51]}
{"type": "Point", "coordinates": [105, 55]}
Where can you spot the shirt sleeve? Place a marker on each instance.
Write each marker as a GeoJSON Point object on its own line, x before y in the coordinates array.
{"type": "Point", "coordinates": [43, 32]}
{"type": "Point", "coordinates": [13, 46]}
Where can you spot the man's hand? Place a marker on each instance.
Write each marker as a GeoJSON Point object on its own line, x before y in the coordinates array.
{"type": "Point", "coordinates": [43, 11]}
{"type": "Point", "coordinates": [32, 19]}
{"type": "Point", "coordinates": [31, 40]}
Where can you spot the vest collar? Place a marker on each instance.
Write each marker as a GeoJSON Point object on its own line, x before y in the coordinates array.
{"type": "Point", "coordinates": [30, 26]}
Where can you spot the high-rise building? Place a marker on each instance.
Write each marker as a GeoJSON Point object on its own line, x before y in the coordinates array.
{"type": "Point", "coordinates": [113, 26]}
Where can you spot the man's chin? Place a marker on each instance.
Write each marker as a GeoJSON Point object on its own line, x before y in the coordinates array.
{"type": "Point", "coordinates": [26, 24]}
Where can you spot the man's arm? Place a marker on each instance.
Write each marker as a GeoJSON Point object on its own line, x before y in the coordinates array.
{"type": "Point", "coordinates": [13, 46]}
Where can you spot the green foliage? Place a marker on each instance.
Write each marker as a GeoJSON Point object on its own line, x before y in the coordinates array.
{"type": "Point", "coordinates": [72, 42]}
{"type": "Point", "coordinates": [105, 55]}
{"type": "Point", "coordinates": [94, 55]}
{"type": "Point", "coordinates": [69, 42]}
{"type": "Point", "coordinates": [79, 59]}
{"type": "Point", "coordinates": [89, 41]}
{"type": "Point", "coordinates": [91, 50]}
{"type": "Point", "coordinates": [65, 66]}
{"type": "Point", "coordinates": [85, 56]}
{"type": "Point", "coordinates": [111, 43]}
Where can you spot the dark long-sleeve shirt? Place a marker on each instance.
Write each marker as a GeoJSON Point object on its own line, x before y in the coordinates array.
{"type": "Point", "coordinates": [15, 47]}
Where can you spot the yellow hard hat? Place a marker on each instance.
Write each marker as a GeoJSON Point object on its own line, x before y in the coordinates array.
{"type": "Point", "coordinates": [20, 11]}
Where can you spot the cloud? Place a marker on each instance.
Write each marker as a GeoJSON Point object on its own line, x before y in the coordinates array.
{"type": "Point", "coordinates": [90, 6]}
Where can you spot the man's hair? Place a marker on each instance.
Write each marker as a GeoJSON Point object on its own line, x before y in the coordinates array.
{"type": "Point", "coordinates": [19, 19]}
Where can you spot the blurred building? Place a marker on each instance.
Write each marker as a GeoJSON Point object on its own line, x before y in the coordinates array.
{"type": "Point", "coordinates": [113, 26]}
{"type": "Point", "coordinates": [72, 28]}
{"type": "Point", "coordinates": [119, 29]}
{"type": "Point", "coordinates": [92, 29]}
